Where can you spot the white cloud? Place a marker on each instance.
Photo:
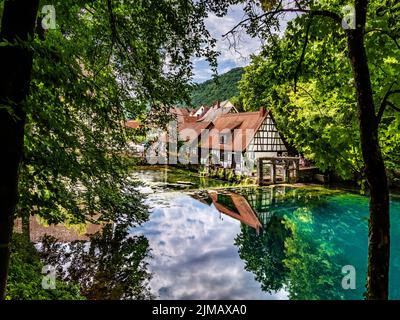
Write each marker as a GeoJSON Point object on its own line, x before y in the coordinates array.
{"type": "Point", "coordinates": [193, 253]}
{"type": "Point", "coordinates": [244, 46]}
{"type": "Point", "coordinates": [230, 56]}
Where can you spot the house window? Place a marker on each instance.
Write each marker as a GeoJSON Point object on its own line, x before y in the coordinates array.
{"type": "Point", "coordinates": [222, 138]}
{"type": "Point", "coordinates": [221, 156]}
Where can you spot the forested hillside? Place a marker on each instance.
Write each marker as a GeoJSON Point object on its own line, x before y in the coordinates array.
{"type": "Point", "coordinates": [211, 91]}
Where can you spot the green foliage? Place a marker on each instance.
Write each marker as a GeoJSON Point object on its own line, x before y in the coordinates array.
{"type": "Point", "coordinates": [294, 251]}
{"type": "Point", "coordinates": [312, 274]}
{"type": "Point", "coordinates": [105, 60]}
{"type": "Point", "coordinates": [97, 66]}
{"type": "Point", "coordinates": [221, 173]}
{"type": "Point", "coordinates": [25, 276]}
{"type": "Point", "coordinates": [224, 88]}
{"type": "Point", "coordinates": [230, 175]}
{"type": "Point", "coordinates": [318, 113]}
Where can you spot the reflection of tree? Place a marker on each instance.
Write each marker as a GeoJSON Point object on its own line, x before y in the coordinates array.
{"type": "Point", "coordinates": [313, 274]}
{"type": "Point", "coordinates": [292, 252]}
{"type": "Point", "coordinates": [110, 266]}
{"type": "Point", "coordinates": [264, 253]}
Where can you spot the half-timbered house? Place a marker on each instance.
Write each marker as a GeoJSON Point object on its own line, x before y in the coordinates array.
{"type": "Point", "coordinates": [239, 137]}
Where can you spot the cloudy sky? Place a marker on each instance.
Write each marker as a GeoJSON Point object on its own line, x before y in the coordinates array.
{"type": "Point", "coordinates": [229, 57]}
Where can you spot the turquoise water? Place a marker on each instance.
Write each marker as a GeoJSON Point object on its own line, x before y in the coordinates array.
{"type": "Point", "coordinates": [226, 243]}
{"type": "Point", "coordinates": [308, 236]}
{"type": "Point", "coordinates": [319, 232]}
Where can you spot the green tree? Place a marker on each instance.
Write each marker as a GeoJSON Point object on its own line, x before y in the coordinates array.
{"type": "Point", "coordinates": [103, 60]}
{"type": "Point", "coordinates": [16, 66]}
{"type": "Point", "coordinates": [25, 277]}
{"type": "Point", "coordinates": [374, 20]}
{"type": "Point", "coordinates": [224, 87]}
{"type": "Point", "coordinates": [264, 253]}
{"type": "Point", "coordinates": [313, 273]}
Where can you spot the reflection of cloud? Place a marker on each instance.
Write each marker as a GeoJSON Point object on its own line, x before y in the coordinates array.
{"type": "Point", "coordinates": [193, 253]}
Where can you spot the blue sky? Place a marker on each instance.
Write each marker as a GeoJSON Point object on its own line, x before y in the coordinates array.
{"type": "Point", "coordinates": [229, 57]}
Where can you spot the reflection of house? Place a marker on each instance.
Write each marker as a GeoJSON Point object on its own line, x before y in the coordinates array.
{"type": "Point", "coordinates": [235, 206]}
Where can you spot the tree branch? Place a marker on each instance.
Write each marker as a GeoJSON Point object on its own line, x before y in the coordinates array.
{"type": "Point", "coordinates": [387, 33]}
{"type": "Point", "coordinates": [392, 105]}
{"type": "Point", "coordinates": [325, 13]}
{"type": "Point", "coordinates": [385, 102]}
{"type": "Point", "coordinates": [303, 53]}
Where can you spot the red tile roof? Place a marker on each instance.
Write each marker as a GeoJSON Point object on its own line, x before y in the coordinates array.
{"type": "Point", "coordinates": [245, 213]}
{"type": "Point", "coordinates": [214, 112]}
{"type": "Point", "coordinates": [240, 127]}
{"type": "Point", "coordinates": [181, 114]}
{"type": "Point", "coordinates": [191, 131]}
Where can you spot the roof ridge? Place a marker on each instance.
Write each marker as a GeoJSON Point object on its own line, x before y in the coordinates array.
{"type": "Point", "coordinates": [239, 114]}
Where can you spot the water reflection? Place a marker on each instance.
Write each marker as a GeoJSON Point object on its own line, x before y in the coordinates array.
{"type": "Point", "coordinates": [244, 243]}
{"type": "Point", "coordinates": [193, 252]}
{"type": "Point", "coordinates": [108, 266]}
{"type": "Point", "coordinates": [164, 178]}
{"type": "Point", "coordinates": [261, 243]}
{"type": "Point", "coordinates": [264, 253]}
{"type": "Point", "coordinates": [307, 237]}
{"type": "Point", "coordinates": [235, 206]}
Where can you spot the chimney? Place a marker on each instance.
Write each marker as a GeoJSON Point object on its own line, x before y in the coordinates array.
{"type": "Point", "coordinates": [262, 111]}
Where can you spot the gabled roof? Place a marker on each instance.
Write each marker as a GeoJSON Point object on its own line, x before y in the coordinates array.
{"type": "Point", "coordinates": [244, 212]}
{"type": "Point", "coordinates": [218, 109]}
{"type": "Point", "coordinates": [181, 114]}
{"type": "Point", "coordinates": [200, 112]}
{"type": "Point", "coordinates": [240, 127]}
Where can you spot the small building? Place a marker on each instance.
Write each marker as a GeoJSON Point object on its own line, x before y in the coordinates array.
{"type": "Point", "coordinates": [239, 137]}
{"type": "Point", "coordinates": [216, 110]}
{"type": "Point", "coordinates": [220, 136]}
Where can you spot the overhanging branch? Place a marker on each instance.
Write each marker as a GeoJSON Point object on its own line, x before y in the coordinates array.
{"type": "Point", "coordinates": [385, 102]}
{"type": "Point", "coordinates": [392, 105]}
{"type": "Point", "coordinates": [324, 13]}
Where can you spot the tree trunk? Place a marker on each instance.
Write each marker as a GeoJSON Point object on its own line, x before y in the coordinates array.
{"type": "Point", "coordinates": [379, 226]}
{"type": "Point", "coordinates": [26, 227]}
{"type": "Point", "coordinates": [18, 22]}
